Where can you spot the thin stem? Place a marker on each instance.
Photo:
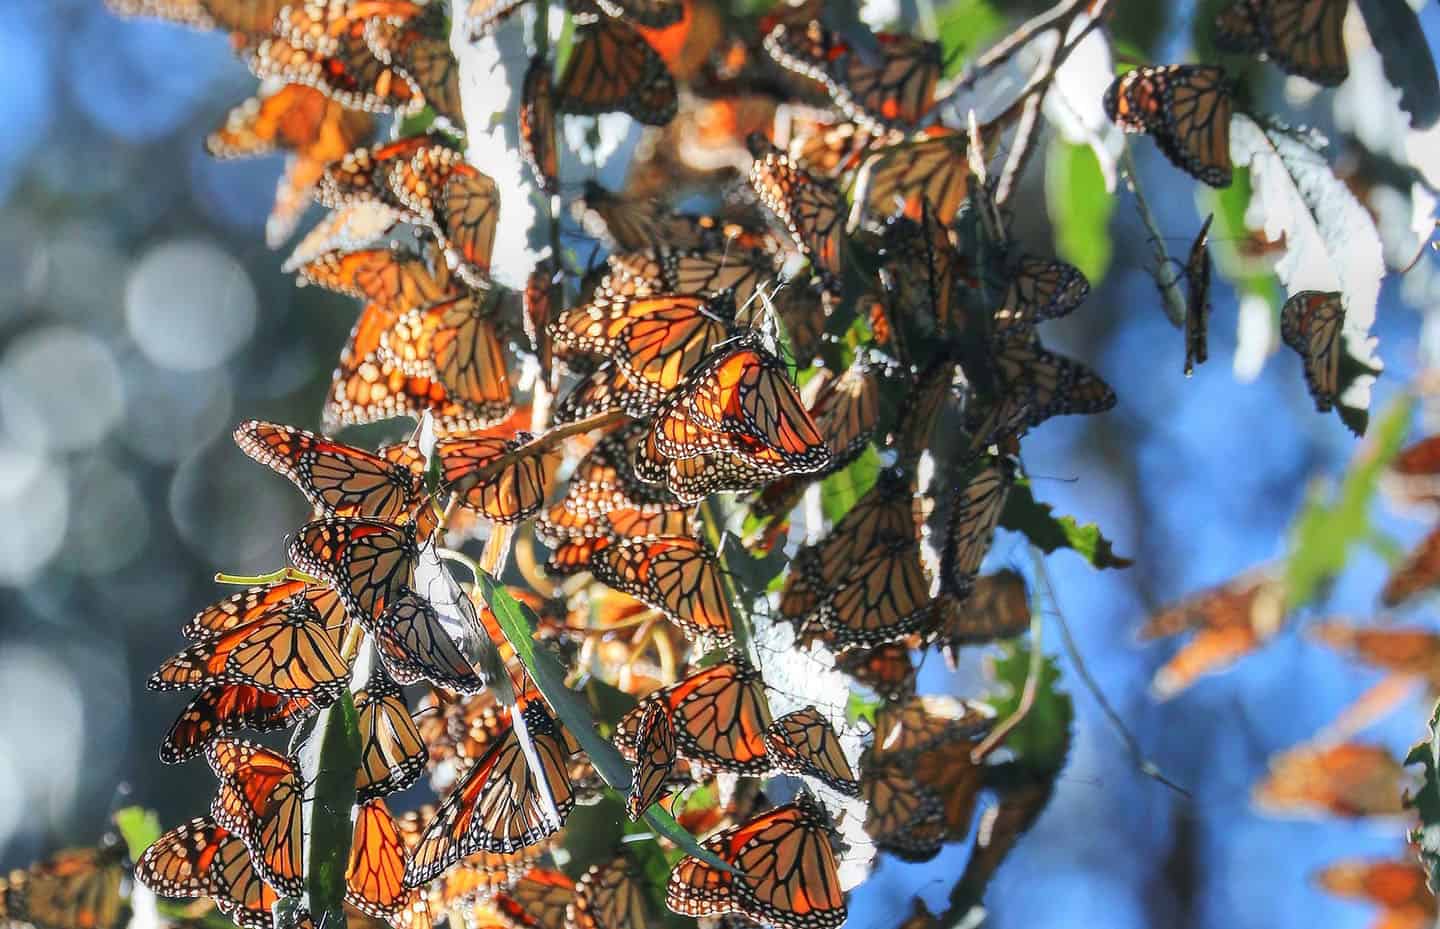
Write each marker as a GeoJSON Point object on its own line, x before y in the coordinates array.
{"type": "Point", "coordinates": [274, 577]}
{"type": "Point", "coordinates": [1173, 302]}
{"type": "Point", "coordinates": [1132, 745]}
{"type": "Point", "coordinates": [1027, 696]}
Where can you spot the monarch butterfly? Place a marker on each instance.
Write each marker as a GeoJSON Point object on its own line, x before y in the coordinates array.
{"type": "Point", "coordinates": [949, 770]}
{"type": "Point", "coordinates": [1197, 299]}
{"type": "Point", "coordinates": [1310, 323]}
{"type": "Point", "coordinates": [826, 143]}
{"type": "Point", "coordinates": [374, 874]}
{"type": "Point", "coordinates": [1232, 620]}
{"type": "Point", "coordinates": [804, 743]}
{"type": "Point", "coordinates": [537, 125]}
{"type": "Point", "coordinates": [419, 45]}
{"type": "Point", "coordinates": [497, 805]}
{"type": "Point", "coordinates": [576, 538]}
{"type": "Point", "coordinates": [886, 669]}
{"type": "Point", "coordinates": [609, 896]}
{"type": "Point", "coordinates": [784, 872]}
{"type": "Point", "coordinates": [223, 709]}
{"type": "Point", "coordinates": [925, 279]}
{"type": "Point", "coordinates": [1034, 385]}
{"type": "Point", "coordinates": [720, 716]}
{"type": "Point", "coordinates": [887, 511]}
{"type": "Point", "coordinates": [364, 174]}
{"type": "Point", "coordinates": [478, 875]}
{"type": "Point", "coordinates": [201, 859]}
{"type": "Point", "coordinates": [369, 386]}
{"type": "Point", "coordinates": [319, 24]}
{"type": "Point", "coordinates": [846, 411]}
{"type": "Point", "coordinates": [997, 607]}
{"type": "Point", "coordinates": [254, 603]}
{"type": "Point", "coordinates": [1040, 289]}
{"type": "Point", "coordinates": [337, 479]}
{"type": "Point", "coordinates": [930, 175]}
{"type": "Point", "coordinates": [901, 816]}
{"type": "Point", "coordinates": [1412, 474]}
{"type": "Point", "coordinates": [653, 341]}
{"type": "Point", "coordinates": [370, 564]}
{"type": "Point", "coordinates": [976, 505]}
{"type": "Point", "coordinates": [893, 93]}
{"type": "Point", "coordinates": [286, 650]}
{"type": "Point", "coordinates": [612, 68]}
{"type": "Point", "coordinates": [883, 597]}
{"type": "Point", "coordinates": [392, 753]}
{"type": "Point", "coordinates": [813, 210]}
{"type": "Point", "coordinates": [707, 271]}
{"type": "Point", "coordinates": [603, 390]}
{"type": "Point", "coordinates": [503, 479]}
{"type": "Point", "coordinates": [351, 75]}
{"type": "Point", "coordinates": [1351, 779]}
{"type": "Point", "coordinates": [743, 391]}
{"type": "Point", "coordinates": [677, 575]}
{"type": "Point", "coordinates": [456, 343]}
{"type": "Point", "coordinates": [1419, 572]}
{"type": "Point", "coordinates": [538, 899]}
{"type": "Point", "coordinates": [459, 204]}
{"type": "Point", "coordinates": [414, 646]}
{"type": "Point", "coordinates": [1186, 108]}
{"type": "Point", "coordinates": [1304, 37]}
{"type": "Point", "coordinates": [905, 730]}
{"type": "Point", "coordinates": [311, 128]}
{"type": "Point", "coordinates": [260, 800]}
{"type": "Point", "coordinates": [250, 18]}
{"type": "Point", "coordinates": [1398, 887]}
{"type": "Point", "coordinates": [747, 466]}
{"type": "Point", "coordinates": [654, 759]}
{"type": "Point", "coordinates": [605, 478]}
{"type": "Point", "coordinates": [395, 278]}
{"type": "Point", "coordinates": [1396, 649]}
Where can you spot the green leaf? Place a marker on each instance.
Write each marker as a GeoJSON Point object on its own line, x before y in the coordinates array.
{"type": "Point", "coordinates": [1041, 740]}
{"type": "Point", "coordinates": [328, 762]}
{"type": "Point", "coordinates": [966, 26]}
{"type": "Point", "coordinates": [139, 828]}
{"type": "Point", "coordinates": [752, 574]}
{"type": "Point", "coordinates": [1326, 529]}
{"type": "Point", "coordinates": [843, 489]}
{"type": "Point", "coordinates": [1038, 523]}
{"type": "Point", "coordinates": [519, 624]}
{"type": "Point", "coordinates": [1080, 207]}
{"type": "Point", "coordinates": [592, 833]}
{"type": "Point", "coordinates": [1426, 802]}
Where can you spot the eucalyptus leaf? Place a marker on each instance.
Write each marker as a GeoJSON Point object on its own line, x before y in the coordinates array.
{"type": "Point", "coordinates": [328, 762]}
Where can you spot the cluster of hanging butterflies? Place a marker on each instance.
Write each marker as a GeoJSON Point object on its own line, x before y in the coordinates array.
{"type": "Point", "coordinates": [691, 369]}
{"type": "Point", "coordinates": [1187, 108]}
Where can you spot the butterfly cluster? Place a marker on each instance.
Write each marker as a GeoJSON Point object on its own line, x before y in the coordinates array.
{"type": "Point", "coordinates": [855, 304]}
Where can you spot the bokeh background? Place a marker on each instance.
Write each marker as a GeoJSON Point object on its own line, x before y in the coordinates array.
{"type": "Point", "coordinates": [141, 317]}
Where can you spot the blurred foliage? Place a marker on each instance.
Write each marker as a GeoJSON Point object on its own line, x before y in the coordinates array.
{"type": "Point", "coordinates": [139, 827]}
{"type": "Point", "coordinates": [1330, 525]}
{"type": "Point", "coordinates": [1041, 740]}
{"type": "Point", "coordinates": [1080, 208]}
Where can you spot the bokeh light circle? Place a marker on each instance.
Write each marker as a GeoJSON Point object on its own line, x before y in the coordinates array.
{"type": "Point", "coordinates": [189, 305]}
{"type": "Point", "coordinates": [34, 508]}
{"type": "Point", "coordinates": [60, 389]}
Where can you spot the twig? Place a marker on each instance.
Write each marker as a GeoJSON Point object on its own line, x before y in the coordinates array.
{"type": "Point", "coordinates": [1132, 745]}
{"type": "Point", "coordinates": [1174, 302]}
{"type": "Point", "coordinates": [1027, 696]}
